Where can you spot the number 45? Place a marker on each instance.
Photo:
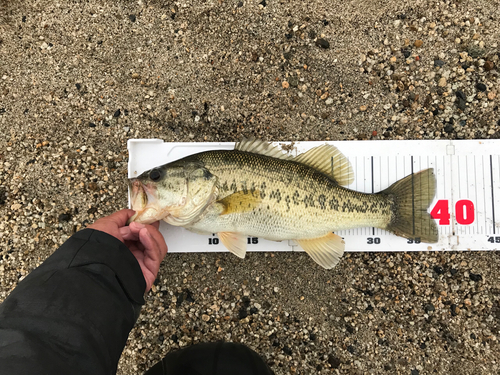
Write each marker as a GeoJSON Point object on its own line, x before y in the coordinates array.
{"type": "Point", "coordinates": [464, 212]}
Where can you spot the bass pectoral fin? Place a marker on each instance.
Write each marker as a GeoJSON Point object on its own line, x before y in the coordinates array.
{"type": "Point", "coordinates": [326, 250]}
{"type": "Point", "coordinates": [240, 202]}
{"type": "Point", "coordinates": [234, 242]}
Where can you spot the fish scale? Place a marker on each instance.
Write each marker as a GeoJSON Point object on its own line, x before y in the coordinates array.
{"type": "Point", "coordinates": [291, 204]}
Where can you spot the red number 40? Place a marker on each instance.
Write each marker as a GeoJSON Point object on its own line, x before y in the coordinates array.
{"type": "Point", "coordinates": [464, 212]}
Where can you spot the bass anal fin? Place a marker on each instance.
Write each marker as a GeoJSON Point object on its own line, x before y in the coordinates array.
{"type": "Point", "coordinates": [326, 250]}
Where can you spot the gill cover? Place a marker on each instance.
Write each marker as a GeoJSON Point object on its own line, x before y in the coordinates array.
{"type": "Point", "coordinates": [201, 191]}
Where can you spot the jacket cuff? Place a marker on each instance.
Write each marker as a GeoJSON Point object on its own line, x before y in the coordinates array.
{"type": "Point", "coordinates": [95, 246]}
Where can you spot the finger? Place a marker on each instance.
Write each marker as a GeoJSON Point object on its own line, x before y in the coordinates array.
{"type": "Point", "coordinates": [121, 217]}
{"type": "Point", "coordinates": [128, 235]}
{"type": "Point", "coordinates": [151, 248]}
{"type": "Point", "coordinates": [156, 224]}
{"type": "Point", "coordinates": [159, 239]}
{"type": "Point", "coordinates": [136, 227]}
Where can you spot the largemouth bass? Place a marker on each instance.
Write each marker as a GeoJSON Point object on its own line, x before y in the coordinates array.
{"type": "Point", "coordinates": [257, 190]}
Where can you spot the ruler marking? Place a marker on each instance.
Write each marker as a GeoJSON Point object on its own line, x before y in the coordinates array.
{"type": "Point", "coordinates": [459, 183]}
{"type": "Point", "coordinates": [475, 188]}
{"type": "Point", "coordinates": [492, 193]}
{"type": "Point", "coordinates": [412, 196]}
{"type": "Point", "coordinates": [471, 228]}
{"type": "Point", "coordinates": [484, 195]}
{"type": "Point", "coordinates": [373, 190]}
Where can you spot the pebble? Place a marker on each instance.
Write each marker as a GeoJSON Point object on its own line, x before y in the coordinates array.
{"type": "Point", "coordinates": [323, 43]}
{"type": "Point", "coordinates": [481, 87]}
{"type": "Point", "coordinates": [439, 63]}
{"type": "Point", "coordinates": [363, 108]}
{"type": "Point", "coordinates": [442, 82]}
{"type": "Point", "coordinates": [285, 84]}
{"type": "Point", "coordinates": [132, 17]}
{"type": "Point", "coordinates": [418, 43]}
{"type": "Point", "coordinates": [65, 217]}
{"type": "Point", "coordinates": [488, 65]}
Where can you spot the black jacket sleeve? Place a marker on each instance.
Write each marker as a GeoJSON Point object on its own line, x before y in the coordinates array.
{"type": "Point", "coordinates": [73, 314]}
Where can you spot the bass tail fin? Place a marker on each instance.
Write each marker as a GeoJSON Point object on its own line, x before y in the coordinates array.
{"type": "Point", "coordinates": [412, 196]}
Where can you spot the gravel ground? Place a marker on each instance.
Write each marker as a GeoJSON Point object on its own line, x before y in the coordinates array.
{"type": "Point", "coordinates": [79, 78]}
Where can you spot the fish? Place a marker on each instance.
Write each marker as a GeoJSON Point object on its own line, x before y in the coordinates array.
{"type": "Point", "coordinates": [258, 190]}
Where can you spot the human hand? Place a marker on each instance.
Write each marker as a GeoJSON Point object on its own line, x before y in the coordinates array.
{"type": "Point", "coordinates": [144, 241]}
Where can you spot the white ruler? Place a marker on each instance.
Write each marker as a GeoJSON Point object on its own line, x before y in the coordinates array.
{"type": "Point", "coordinates": [466, 207]}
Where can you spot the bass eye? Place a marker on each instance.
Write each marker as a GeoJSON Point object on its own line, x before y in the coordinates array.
{"type": "Point", "coordinates": [155, 175]}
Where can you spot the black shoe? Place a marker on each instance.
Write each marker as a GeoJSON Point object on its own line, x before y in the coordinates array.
{"type": "Point", "coordinates": [221, 358]}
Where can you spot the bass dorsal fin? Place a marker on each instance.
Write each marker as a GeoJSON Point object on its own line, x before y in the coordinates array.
{"type": "Point", "coordinates": [330, 161]}
{"type": "Point", "coordinates": [258, 146]}
{"type": "Point", "coordinates": [326, 158]}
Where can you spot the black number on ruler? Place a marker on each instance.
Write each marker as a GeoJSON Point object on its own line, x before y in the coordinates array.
{"type": "Point", "coordinates": [413, 240]}
{"type": "Point", "coordinates": [494, 239]}
{"type": "Point", "coordinates": [252, 240]}
{"type": "Point", "coordinates": [213, 241]}
{"type": "Point", "coordinates": [373, 240]}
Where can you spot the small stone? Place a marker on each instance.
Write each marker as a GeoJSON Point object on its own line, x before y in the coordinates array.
{"type": "Point", "coordinates": [461, 103]}
{"type": "Point", "coordinates": [64, 217]}
{"type": "Point", "coordinates": [334, 361]}
{"type": "Point", "coordinates": [429, 307]}
{"type": "Point", "coordinates": [285, 84]}
{"type": "Point", "coordinates": [393, 59]}
{"type": "Point", "coordinates": [492, 95]}
{"type": "Point", "coordinates": [439, 63]}
{"type": "Point", "coordinates": [328, 101]}
{"type": "Point", "coordinates": [242, 313]}
{"type": "Point", "coordinates": [475, 277]}
{"type": "Point", "coordinates": [287, 350]}
{"type": "Point", "coordinates": [363, 108]}
{"type": "Point", "coordinates": [92, 125]}
{"type": "Point", "coordinates": [418, 43]}
{"type": "Point", "coordinates": [460, 94]}
{"type": "Point", "coordinates": [481, 87]}
{"type": "Point", "coordinates": [454, 310]}
{"type": "Point", "coordinates": [488, 65]}
{"type": "Point", "coordinates": [3, 196]}
{"type": "Point", "coordinates": [15, 207]}
{"type": "Point", "coordinates": [322, 43]}
{"type": "Point", "coordinates": [475, 51]}
{"type": "Point", "coordinates": [442, 82]}
{"type": "Point", "coordinates": [135, 76]}
{"type": "Point", "coordinates": [92, 186]}
{"type": "Point", "coordinates": [117, 113]}
{"type": "Point", "coordinates": [448, 128]}
{"type": "Point", "coordinates": [415, 372]}
{"type": "Point", "coordinates": [406, 53]}
{"type": "Point", "coordinates": [132, 17]}
{"type": "Point", "coordinates": [205, 317]}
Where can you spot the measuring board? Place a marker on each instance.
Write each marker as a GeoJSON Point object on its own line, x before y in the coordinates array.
{"type": "Point", "coordinates": [466, 207]}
